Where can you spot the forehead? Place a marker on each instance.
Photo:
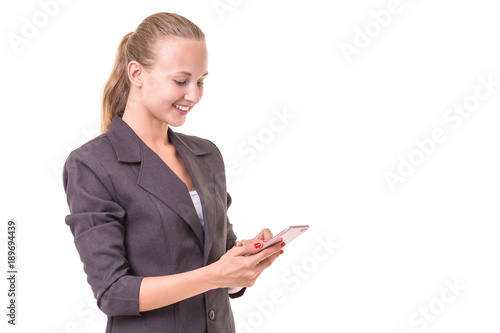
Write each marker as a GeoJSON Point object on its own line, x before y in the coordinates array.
{"type": "Point", "coordinates": [181, 55]}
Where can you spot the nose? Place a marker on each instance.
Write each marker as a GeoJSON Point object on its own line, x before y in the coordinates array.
{"type": "Point", "coordinates": [193, 94]}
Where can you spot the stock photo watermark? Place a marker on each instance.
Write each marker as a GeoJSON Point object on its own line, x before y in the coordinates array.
{"type": "Point", "coordinates": [453, 117]}
{"type": "Point", "coordinates": [31, 25]}
{"type": "Point", "coordinates": [12, 271]}
{"type": "Point", "coordinates": [222, 7]}
{"type": "Point", "coordinates": [250, 147]}
{"type": "Point", "coordinates": [291, 281]}
{"type": "Point", "coordinates": [379, 20]}
{"type": "Point", "coordinates": [421, 319]}
{"type": "Point", "coordinates": [86, 314]}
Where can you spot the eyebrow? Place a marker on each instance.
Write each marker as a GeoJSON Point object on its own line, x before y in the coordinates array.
{"type": "Point", "coordinates": [189, 74]}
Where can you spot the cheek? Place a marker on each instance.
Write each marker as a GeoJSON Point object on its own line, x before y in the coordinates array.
{"type": "Point", "coordinates": [171, 92]}
{"type": "Point", "coordinates": [164, 96]}
{"type": "Point", "coordinates": [151, 92]}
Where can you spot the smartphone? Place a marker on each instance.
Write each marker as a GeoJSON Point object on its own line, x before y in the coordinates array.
{"type": "Point", "coordinates": [288, 235]}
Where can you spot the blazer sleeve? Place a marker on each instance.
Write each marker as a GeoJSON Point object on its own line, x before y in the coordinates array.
{"type": "Point", "coordinates": [231, 236]}
{"type": "Point", "coordinates": [231, 241]}
{"type": "Point", "coordinates": [95, 220]}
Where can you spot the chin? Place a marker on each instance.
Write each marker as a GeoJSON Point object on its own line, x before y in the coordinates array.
{"type": "Point", "coordinates": [176, 122]}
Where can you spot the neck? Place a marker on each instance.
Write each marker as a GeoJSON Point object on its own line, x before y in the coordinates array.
{"type": "Point", "coordinates": [152, 131]}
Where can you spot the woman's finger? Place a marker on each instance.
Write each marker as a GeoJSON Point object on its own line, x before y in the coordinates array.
{"type": "Point", "coordinates": [266, 234]}
{"type": "Point", "coordinates": [247, 249]}
{"type": "Point", "coordinates": [268, 261]}
{"type": "Point", "coordinates": [269, 251]}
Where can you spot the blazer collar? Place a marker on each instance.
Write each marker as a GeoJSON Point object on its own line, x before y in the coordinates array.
{"type": "Point", "coordinates": [127, 144]}
{"type": "Point", "coordinates": [170, 190]}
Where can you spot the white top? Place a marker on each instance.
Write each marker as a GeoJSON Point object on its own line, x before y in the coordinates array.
{"type": "Point", "coordinates": [197, 204]}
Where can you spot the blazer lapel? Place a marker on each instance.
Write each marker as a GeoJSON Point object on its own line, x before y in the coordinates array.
{"type": "Point", "coordinates": [204, 182]}
{"type": "Point", "coordinates": [158, 179]}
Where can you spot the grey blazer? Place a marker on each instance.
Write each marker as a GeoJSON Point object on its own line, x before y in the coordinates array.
{"type": "Point", "coordinates": [132, 217]}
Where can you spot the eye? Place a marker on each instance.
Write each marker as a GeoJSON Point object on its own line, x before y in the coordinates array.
{"type": "Point", "coordinates": [179, 83]}
{"type": "Point", "coordinates": [200, 84]}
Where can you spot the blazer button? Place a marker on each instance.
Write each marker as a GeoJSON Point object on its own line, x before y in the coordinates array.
{"type": "Point", "coordinates": [211, 315]}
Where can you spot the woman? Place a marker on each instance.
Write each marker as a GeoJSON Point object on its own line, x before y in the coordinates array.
{"type": "Point", "coordinates": [148, 205]}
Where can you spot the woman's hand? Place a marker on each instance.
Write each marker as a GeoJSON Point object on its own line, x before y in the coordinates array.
{"type": "Point", "coordinates": [264, 236]}
{"type": "Point", "coordinates": [241, 265]}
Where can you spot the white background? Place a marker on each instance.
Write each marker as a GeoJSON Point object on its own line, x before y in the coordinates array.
{"type": "Point", "coordinates": [351, 119]}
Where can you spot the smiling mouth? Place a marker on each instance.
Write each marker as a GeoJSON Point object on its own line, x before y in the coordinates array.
{"type": "Point", "coordinates": [182, 108]}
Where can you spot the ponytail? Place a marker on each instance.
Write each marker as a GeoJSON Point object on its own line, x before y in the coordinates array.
{"type": "Point", "coordinates": [140, 46]}
{"type": "Point", "coordinates": [115, 93]}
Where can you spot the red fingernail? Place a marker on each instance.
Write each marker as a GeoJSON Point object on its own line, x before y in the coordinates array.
{"type": "Point", "coordinates": [283, 244]}
{"type": "Point", "coordinates": [281, 252]}
{"type": "Point", "coordinates": [257, 245]}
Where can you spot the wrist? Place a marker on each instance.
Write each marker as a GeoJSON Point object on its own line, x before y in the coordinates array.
{"type": "Point", "coordinates": [213, 277]}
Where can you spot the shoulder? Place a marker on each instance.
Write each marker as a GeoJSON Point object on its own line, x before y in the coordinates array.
{"type": "Point", "coordinates": [197, 144]}
{"type": "Point", "coordinates": [91, 154]}
{"type": "Point", "coordinates": [205, 150]}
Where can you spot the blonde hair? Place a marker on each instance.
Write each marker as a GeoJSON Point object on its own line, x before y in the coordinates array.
{"type": "Point", "coordinates": [140, 46]}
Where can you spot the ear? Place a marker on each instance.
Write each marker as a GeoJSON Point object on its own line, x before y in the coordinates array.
{"type": "Point", "coordinates": [135, 73]}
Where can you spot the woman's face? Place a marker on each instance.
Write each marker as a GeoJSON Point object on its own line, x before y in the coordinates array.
{"type": "Point", "coordinates": [173, 85]}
